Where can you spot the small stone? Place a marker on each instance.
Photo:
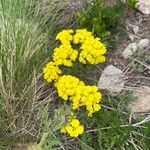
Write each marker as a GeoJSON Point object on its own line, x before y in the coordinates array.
{"type": "Point", "coordinates": [136, 29]}
{"type": "Point", "coordinates": [111, 79]}
{"type": "Point", "coordinates": [144, 43]}
{"type": "Point", "coordinates": [132, 47]}
{"type": "Point", "coordinates": [132, 37]}
{"type": "Point", "coordinates": [143, 6]}
{"type": "Point", "coordinates": [142, 103]}
{"type": "Point", "coordinates": [129, 50]}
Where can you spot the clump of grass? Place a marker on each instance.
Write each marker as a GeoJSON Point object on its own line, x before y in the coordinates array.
{"type": "Point", "coordinates": [25, 45]}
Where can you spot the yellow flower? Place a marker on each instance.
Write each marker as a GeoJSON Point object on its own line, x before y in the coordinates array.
{"type": "Point", "coordinates": [67, 63]}
{"type": "Point", "coordinates": [65, 36]}
{"type": "Point", "coordinates": [69, 128]}
{"type": "Point", "coordinates": [73, 128]}
{"type": "Point", "coordinates": [98, 97]}
{"type": "Point", "coordinates": [83, 99]}
{"type": "Point", "coordinates": [75, 123]}
{"type": "Point", "coordinates": [70, 92]}
{"type": "Point", "coordinates": [64, 96]}
{"type": "Point", "coordinates": [97, 107]}
{"type": "Point", "coordinates": [75, 105]}
{"type": "Point", "coordinates": [63, 130]}
{"type": "Point", "coordinates": [66, 86]}
{"type": "Point", "coordinates": [80, 129]}
{"type": "Point", "coordinates": [81, 35]}
{"type": "Point", "coordinates": [74, 55]}
{"type": "Point", "coordinates": [51, 72]}
{"type": "Point", "coordinates": [65, 55]}
{"type": "Point", "coordinates": [82, 60]}
{"type": "Point", "coordinates": [92, 50]}
{"type": "Point", "coordinates": [74, 134]}
{"type": "Point", "coordinates": [70, 87]}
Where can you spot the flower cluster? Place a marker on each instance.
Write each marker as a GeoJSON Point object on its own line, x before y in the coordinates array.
{"type": "Point", "coordinates": [70, 87]}
{"type": "Point", "coordinates": [92, 49]}
{"type": "Point", "coordinates": [81, 36]}
{"type": "Point", "coordinates": [73, 128]}
{"type": "Point", "coordinates": [80, 44]}
{"type": "Point", "coordinates": [88, 96]}
{"type": "Point", "coordinates": [66, 86]}
{"type": "Point", "coordinates": [65, 36]}
{"type": "Point", "coordinates": [64, 55]}
{"type": "Point", "coordinates": [51, 72]}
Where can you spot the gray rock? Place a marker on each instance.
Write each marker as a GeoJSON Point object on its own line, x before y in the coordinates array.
{"type": "Point", "coordinates": [111, 79]}
{"type": "Point", "coordinates": [142, 103]}
{"type": "Point", "coordinates": [144, 43]}
{"type": "Point", "coordinates": [132, 47]}
{"type": "Point", "coordinates": [143, 6]}
{"type": "Point", "coordinates": [129, 50]}
{"type": "Point", "coordinates": [136, 29]}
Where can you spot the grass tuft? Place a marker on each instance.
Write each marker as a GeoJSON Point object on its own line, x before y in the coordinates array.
{"type": "Point", "coordinates": [26, 30]}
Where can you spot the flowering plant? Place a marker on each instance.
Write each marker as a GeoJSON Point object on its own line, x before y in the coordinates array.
{"type": "Point", "coordinates": [88, 49]}
{"type": "Point", "coordinates": [73, 128]}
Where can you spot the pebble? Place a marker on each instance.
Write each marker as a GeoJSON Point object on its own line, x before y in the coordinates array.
{"type": "Point", "coordinates": [111, 79]}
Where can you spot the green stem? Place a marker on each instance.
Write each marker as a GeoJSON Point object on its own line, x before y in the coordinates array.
{"type": "Point", "coordinates": [43, 139]}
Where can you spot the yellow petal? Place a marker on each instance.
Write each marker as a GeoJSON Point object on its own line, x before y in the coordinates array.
{"type": "Point", "coordinates": [80, 129]}
{"type": "Point", "coordinates": [69, 129]}
{"type": "Point", "coordinates": [75, 123]}
{"type": "Point", "coordinates": [97, 107]}
{"type": "Point", "coordinates": [67, 63]}
{"type": "Point", "coordinates": [63, 130]}
{"type": "Point", "coordinates": [74, 134]}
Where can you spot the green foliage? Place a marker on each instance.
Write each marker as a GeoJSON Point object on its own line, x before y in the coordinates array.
{"type": "Point", "coordinates": [100, 18]}
{"type": "Point", "coordinates": [110, 127]}
{"type": "Point", "coordinates": [140, 56]}
{"type": "Point", "coordinates": [49, 125]}
{"type": "Point", "coordinates": [116, 136]}
{"type": "Point", "coordinates": [132, 3]}
{"type": "Point", "coordinates": [146, 133]}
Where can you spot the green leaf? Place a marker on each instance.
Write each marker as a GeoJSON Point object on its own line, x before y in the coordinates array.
{"type": "Point", "coordinates": [132, 3]}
